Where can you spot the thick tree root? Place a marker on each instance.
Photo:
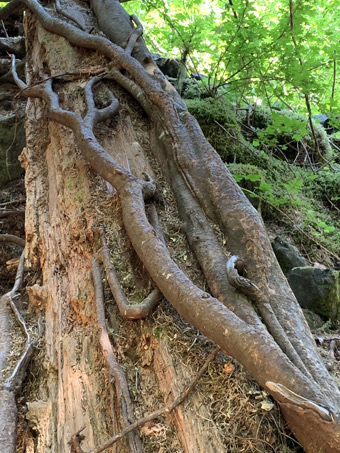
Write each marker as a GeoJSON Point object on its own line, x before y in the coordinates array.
{"type": "Point", "coordinates": [235, 269]}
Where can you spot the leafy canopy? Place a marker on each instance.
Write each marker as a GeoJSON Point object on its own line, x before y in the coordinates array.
{"type": "Point", "coordinates": [255, 49]}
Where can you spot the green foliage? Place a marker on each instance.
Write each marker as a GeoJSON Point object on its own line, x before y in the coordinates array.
{"type": "Point", "coordinates": [285, 197]}
{"type": "Point", "coordinates": [256, 59]}
{"type": "Point", "coordinates": [249, 46]}
{"type": "Point", "coordinates": [326, 185]}
{"type": "Point", "coordinates": [289, 132]}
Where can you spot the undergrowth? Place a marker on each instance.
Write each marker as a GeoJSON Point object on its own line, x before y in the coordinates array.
{"type": "Point", "coordinates": [288, 178]}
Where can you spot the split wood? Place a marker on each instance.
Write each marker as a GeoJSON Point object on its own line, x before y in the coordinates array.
{"type": "Point", "coordinates": [77, 438]}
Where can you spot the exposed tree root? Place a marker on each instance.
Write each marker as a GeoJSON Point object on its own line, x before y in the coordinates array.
{"type": "Point", "coordinates": [127, 311]}
{"type": "Point", "coordinates": [66, 14]}
{"type": "Point", "coordinates": [138, 31]}
{"type": "Point", "coordinates": [76, 439]}
{"type": "Point", "coordinates": [10, 386]}
{"type": "Point", "coordinates": [205, 193]}
{"type": "Point", "coordinates": [117, 374]}
{"type": "Point", "coordinates": [13, 239]}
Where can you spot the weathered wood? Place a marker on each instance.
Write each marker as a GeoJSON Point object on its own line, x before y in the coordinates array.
{"type": "Point", "coordinates": [197, 433]}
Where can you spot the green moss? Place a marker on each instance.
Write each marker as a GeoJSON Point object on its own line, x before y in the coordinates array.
{"type": "Point", "coordinates": [73, 184]}
{"type": "Point", "coordinates": [211, 110]}
{"type": "Point", "coordinates": [268, 176]}
{"type": "Point", "coordinates": [221, 128]}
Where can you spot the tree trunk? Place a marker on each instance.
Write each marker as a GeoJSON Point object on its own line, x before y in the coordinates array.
{"type": "Point", "coordinates": [63, 216]}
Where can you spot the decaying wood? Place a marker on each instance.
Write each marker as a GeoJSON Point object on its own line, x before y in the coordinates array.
{"type": "Point", "coordinates": [153, 415]}
{"type": "Point", "coordinates": [170, 376]}
{"type": "Point", "coordinates": [116, 372]}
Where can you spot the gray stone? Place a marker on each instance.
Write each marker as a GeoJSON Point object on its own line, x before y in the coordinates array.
{"type": "Point", "coordinates": [317, 290]}
{"type": "Point", "coordinates": [287, 255]}
{"type": "Point", "coordinates": [314, 321]}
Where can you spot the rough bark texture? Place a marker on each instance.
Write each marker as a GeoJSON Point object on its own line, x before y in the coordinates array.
{"type": "Point", "coordinates": [61, 211]}
{"type": "Point", "coordinates": [277, 350]}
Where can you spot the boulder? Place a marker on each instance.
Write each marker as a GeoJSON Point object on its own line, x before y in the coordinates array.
{"type": "Point", "coordinates": [287, 255]}
{"type": "Point", "coordinates": [317, 290]}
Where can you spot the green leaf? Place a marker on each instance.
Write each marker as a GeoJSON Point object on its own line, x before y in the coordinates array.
{"type": "Point", "coordinates": [253, 177]}
{"type": "Point", "coordinates": [265, 187]}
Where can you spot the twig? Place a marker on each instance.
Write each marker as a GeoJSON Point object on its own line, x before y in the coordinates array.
{"type": "Point", "coordinates": [12, 212]}
{"type": "Point", "coordinates": [157, 413]}
{"type": "Point", "coordinates": [22, 200]}
{"type": "Point", "coordinates": [235, 138]}
{"type": "Point", "coordinates": [334, 77]}
{"type": "Point", "coordinates": [4, 28]}
{"type": "Point", "coordinates": [14, 382]}
{"type": "Point", "coordinates": [331, 203]}
{"type": "Point", "coordinates": [13, 239]}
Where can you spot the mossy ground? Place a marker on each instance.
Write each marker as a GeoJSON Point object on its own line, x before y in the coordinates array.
{"type": "Point", "coordinates": [289, 179]}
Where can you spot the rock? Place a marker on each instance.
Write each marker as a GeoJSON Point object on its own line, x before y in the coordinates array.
{"type": "Point", "coordinates": [168, 66]}
{"type": "Point", "coordinates": [287, 255]}
{"type": "Point", "coordinates": [197, 76]}
{"type": "Point", "coordinates": [314, 321]}
{"type": "Point", "coordinates": [317, 290]}
{"type": "Point", "coordinates": [320, 266]}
